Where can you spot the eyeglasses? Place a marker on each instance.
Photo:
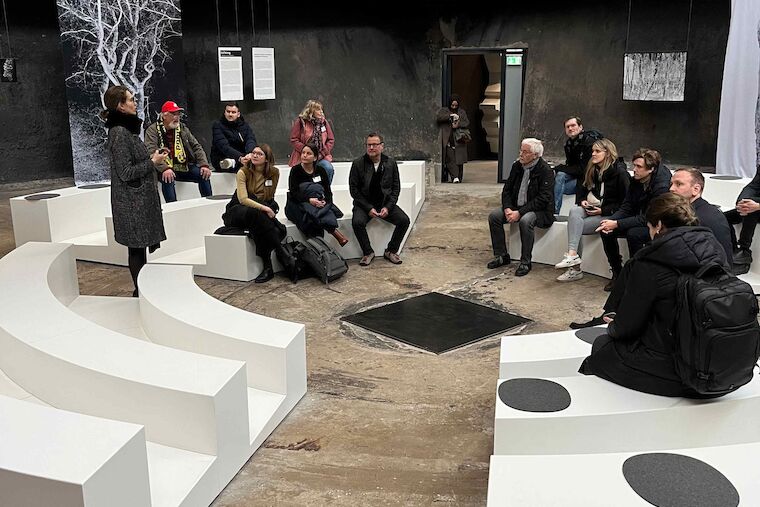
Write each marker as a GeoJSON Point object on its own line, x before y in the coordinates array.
{"type": "Point", "coordinates": [373, 145]}
{"type": "Point", "coordinates": [174, 113]}
{"type": "Point", "coordinates": [258, 153]}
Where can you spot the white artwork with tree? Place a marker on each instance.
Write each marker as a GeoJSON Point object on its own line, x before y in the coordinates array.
{"type": "Point", "coordinates": [111, 42]}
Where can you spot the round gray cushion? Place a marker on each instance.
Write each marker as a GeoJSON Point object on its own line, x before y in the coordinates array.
{"type": "Point", "coordinates": [675, 480]}
{"type": "Point", "coordinates": [726, 177]}
{"type": "Point", "coordinates": [95, 185]}
{"type": "Point", "coordinates": [220, 197]}
{"type": "Point", "coordinates": [589, 334]}
{"type": "Point", "coordinates": [534, 395]}
{"type": "Point", "coordinates": [39, 197]}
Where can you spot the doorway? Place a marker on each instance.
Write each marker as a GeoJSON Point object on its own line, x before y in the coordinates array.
{"type": "Point", "coordinates": [490, 84]}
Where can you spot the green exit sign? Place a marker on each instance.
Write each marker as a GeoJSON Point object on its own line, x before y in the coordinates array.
{"type": "Point", "coordinates": [514, 60]}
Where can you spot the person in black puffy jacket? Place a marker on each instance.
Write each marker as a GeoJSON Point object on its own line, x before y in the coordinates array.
{"type": "Point", "coordinates": [637, 351]}
{"type": "Point", "coordinates": [232, 140]}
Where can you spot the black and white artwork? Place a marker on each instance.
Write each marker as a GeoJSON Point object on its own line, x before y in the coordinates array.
{"type": "Point", "coordinates": [8, 70]}
{"type": "Point", "coordinates": [134, 43]}
{"type": "Point", "coordinates": [654, 76]}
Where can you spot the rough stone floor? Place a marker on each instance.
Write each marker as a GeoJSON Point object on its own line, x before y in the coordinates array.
{"type": "Point", "coordinates": [382, 423]}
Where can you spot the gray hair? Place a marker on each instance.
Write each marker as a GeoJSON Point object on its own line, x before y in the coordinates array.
{"type": "Point", "coordinates": [536, 146]}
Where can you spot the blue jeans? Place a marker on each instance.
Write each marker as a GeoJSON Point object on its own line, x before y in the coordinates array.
{"type": "Point", "coordinates": [328, 167]}
{"type": "Point", "coordinates": [564, 184]}
{"type": "Point", "coordinates": [192, 174]}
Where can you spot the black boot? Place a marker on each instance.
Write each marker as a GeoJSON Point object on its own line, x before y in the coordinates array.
{"type": "Point", "coordinates": [267, 273]}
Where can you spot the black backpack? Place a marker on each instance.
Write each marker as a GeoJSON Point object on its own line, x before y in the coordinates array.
{"type": "Point", "coordinates": [324, 262]}
{"type": "Point", "coordinates": [716, 331]}
{"type": "Point", "coordinates": [290, 254]}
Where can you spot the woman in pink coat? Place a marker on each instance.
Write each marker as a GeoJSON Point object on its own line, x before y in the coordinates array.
{"type": "Point", "coordinates": [311, 127]}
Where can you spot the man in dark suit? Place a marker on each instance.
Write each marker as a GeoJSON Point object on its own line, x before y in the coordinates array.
{"type": "Point", "coordinates": [690, 183]}
{"type": "Point", "coordinates": [526, 199]}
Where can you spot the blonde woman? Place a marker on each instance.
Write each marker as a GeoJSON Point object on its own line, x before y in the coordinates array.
{"type": "Point", "coordinates": [597, 197]}
{"type": "Point", "coordinates": [311, 127]}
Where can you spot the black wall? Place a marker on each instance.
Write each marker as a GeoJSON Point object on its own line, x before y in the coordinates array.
{"type": "Point", "coordinates": [34, 122]}
{"type": "Point", "coordinates": [378, 66]}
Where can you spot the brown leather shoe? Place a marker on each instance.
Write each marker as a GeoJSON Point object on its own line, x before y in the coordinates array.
{"type": "Point", "coordinates": [367, 259]}
{"type": "Point", "coordinates": [392, 257]}
{"type": "Point", "coordinates": [342, 239]}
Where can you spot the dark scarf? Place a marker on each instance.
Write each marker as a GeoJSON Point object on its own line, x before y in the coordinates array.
{"type": "Point", "coordinates": [131, 122]}
{"type": "Point", "coordinates": [316, 135]}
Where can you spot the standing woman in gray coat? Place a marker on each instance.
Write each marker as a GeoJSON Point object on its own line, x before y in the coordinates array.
{"type": "Point", "coordinates": [449, 120]}
{"type": "Point", "coordinates": [137, 220]}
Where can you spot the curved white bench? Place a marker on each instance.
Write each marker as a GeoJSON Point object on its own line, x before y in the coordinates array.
{"type": "Point", "coordinates": [605, 417]}
{"type": "Point", "coordinates": [53, 457]}
{"type": "Point", "coordinates": [234, 257]}
{"type": "Point", "coordinates": [57, 355]}
{"type": "Point", "coordinates": [596, 480]}
{"type": "Point", "coordinates": [557, 354]}
{"type": "Point", "coordinates": [274, 350]}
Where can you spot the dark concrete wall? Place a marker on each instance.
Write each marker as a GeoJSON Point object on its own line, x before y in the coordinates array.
{"type": "Point", "coordinates": [34, 122]}
{"type": "Point", "coordinates": [575, 66]}
{"type": "Point", "coordinates": [379, 67]}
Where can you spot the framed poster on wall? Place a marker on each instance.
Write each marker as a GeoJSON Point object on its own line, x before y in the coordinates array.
{"type": "Point", "coordinates": [655, 76]}
{"type": "Point", "coordinates": [230, 73]}
{"type": "Point", "coordinates": [263, 73]}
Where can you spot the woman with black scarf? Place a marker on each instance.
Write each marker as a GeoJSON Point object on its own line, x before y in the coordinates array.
{"type": "Point", "coordinates": [135, 205]}
{"type": "Point", "coordinates": [450, 119]}
{"type": "Point", "coordinates": [232, 140]}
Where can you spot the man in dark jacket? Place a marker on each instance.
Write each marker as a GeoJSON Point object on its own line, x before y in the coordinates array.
{"type": "Point", "coordinates": [525, 199]}
{"type": "Point", "coordinates": [650, 178]}
{"type": "Point", "coordinates": [690, 183]}
{"type": "Point", "coordinates": [747, 213]}
{"type": "Point", "coordinates": [375, 185]}
{"type": "Point", "coordinates": [232, 140]}
{"type": "Point", "coordinates": [577, 154]}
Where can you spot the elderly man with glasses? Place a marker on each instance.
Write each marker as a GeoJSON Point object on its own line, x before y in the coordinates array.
{"type": "Point", "coordinates": [186, 160]}
{"type": "Point", "coordinates": [375, 185]}
{"type": "Point", "coordinates": [527, 200]}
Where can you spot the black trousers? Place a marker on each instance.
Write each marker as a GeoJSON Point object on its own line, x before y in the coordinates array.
{"type": "Point", "coordinates": [636, 237]}
{"type": "Point", "coordinates": [748, 227]}
{"type": "Point", "coordinates": [266, 232]}
{"type": "Point", "coordinates": [396, 216]}
{"type": "Point", "coordinates": [450, 166]}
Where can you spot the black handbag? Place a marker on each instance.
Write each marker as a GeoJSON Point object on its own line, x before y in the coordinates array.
{"type": "Point", "coordinates": [291, 256]}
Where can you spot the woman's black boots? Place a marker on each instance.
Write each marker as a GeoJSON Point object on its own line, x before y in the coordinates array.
{"type": "Point", "coordinates": [267, 273]}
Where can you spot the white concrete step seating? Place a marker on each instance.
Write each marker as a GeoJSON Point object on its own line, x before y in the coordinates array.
{"type": "Point", "coordinates": [224, 183]}
{"type": "Point", "coordinates": [557, 354]}
{"type": "Point", "coordinates": [202, 416]}
{"type": "Point", "coordinates": [219, 256]}
{"type": "Point", "coordinates": [597, 480]}
{"type": "Point", "coordinates": [53, 457]}
{"type": "Point", "coordinates": [604, 417]}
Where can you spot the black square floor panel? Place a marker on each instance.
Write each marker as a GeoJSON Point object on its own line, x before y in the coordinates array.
{"type": "Point", "coordinates": [436, 322]}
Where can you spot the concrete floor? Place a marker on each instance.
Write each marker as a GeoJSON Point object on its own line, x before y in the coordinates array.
{"type": "Point", "coordinates": [383, 423]}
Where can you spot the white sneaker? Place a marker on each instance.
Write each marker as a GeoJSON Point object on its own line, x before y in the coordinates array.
{"type": "Point", "coordinates": [456, 180]}
{"type": "Point", "coordinates": [568, 261]}
{"type": "Point", "coordinates": [571, 275]}
{"type": "Point", "coordinates": [227, 163]}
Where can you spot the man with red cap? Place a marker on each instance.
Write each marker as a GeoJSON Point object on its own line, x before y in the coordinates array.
{"type": "Point", "coordinates": [186, 160]}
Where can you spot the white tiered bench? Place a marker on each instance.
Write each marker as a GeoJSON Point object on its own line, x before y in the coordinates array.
{"type": "Point", "coordinates": [53, 457]}
{"type": "Point", "coordinates": [557, 354]}
{"type": "Point", "coordinates": [190, 224]}
{"type": "Point", "coordinates": [574, 456]}
{"type": "Point", "coordinates": [596, 480]}
{"type": "Point", "coordinates": [201, 411]}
